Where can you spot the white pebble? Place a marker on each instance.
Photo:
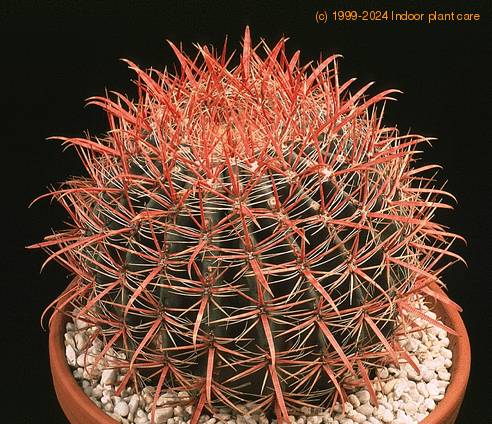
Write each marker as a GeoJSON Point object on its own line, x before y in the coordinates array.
{"type": "Point", "coordinates": [166, 398]}
{"type": "Point", "coordinates": [108, 392]}
{"type": "Point", "coordinates": [432, 388]}
{"type": "Point", "coordinates": [366, 409]}
{"type": "Point", "coordinates": [162, 414]}
{"type": "Point", "coordinates": [108, 407]}
{"type": "Point", "coordinates": [91, 373]}
{"type": "Point", "coordinates": [422, 388]}
{"type": "Point", "coordinates": [80, 340]}
{"type": "Point", "coordinates": [413, 375]}
{"type": "Point", "coordinates": [412, 344]}
{"type": "Point", "coordinates": [84, 359]}
{"type": "Point", "coordinates": [141, 413]}
{"type": "Point", "coordinates": [97, 391]}
{"type": "Point", "coordinates": [133, 404]}
{"type": "Point", "coordinates": [403, 418]}
{"type": "Point", "coordinates": [178, 411]}
{"type": "Point", "coordinates": [184, 396]}
{"type": "Point", "coordinates": [393, 370]}
{"type": "Point", "coordinates": [383, 373]}
{"type": "Point", "coordinates": [357, 417]}
{"type": "Point", "coordinates": [442, 384]}
{"type": "Point", "coordinates": [80, 324]}
{"type": "Point", "coordinates": [438, 362]}
{"type": "Point", "coordinates": [337, 408]}
{"type": "Point", "coordinates": [363, 396]}
{"type": "Point", "coordinates": [428, 376]}
{"type": "Point", "coordinates": [414, 394]}
{"type": "Point", "coordinates": [388, 387]}
{"type": "Point", "coordinates": [401, 386]}
{"type": "Point", "coordinates": [105, 399]}
{"type": "Point", "coordinates": [121, 408]}
{"type": "Point", "coordinates": [78, 373]}
{"type": "Point", "coordinates": [388, 405]}
{"type": "Point", "coordinates": [410, 407]}
{"type": "Point", "coordinates": [108, 376]}
{"type": "Point", "coordinates": [97, 343]}
{"type": "Point", "coordinates": [71, 355]}
{"type": "Point", "coordinates": [354, 400]}
{"type": "Point", "coordinates": [69, 340]}
{"type": "Point", "coordinates": [379, 411]}
{"type": "Point", "coordinates": [429, 404]}
{"type": "Point", "coordinates": [387, 416]}
{"type": "Point", "coordinates": [443, 374]}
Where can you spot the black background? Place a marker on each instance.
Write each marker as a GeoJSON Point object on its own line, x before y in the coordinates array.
{"type": "Point", "coordinates": [56, 54]}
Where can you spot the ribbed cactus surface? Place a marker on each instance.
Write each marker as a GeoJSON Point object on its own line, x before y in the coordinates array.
{"type": "Point", "coordinates": [249, 233]}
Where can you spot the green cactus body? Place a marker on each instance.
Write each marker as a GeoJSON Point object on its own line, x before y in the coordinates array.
{"type": "Point", "coordinates": [250, 234]}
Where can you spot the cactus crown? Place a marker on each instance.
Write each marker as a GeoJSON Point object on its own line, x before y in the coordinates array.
{"type": "Point", "coordinates": [250, 233]}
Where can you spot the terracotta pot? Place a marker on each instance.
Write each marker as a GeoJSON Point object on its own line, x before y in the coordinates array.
{"type": "Point", "coordinates": [79, 409]}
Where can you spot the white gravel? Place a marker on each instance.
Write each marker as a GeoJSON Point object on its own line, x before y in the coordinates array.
{"type": "Point", "coordinates": [404, 396]}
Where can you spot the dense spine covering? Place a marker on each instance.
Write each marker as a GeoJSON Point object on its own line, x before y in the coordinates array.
{"type": "Point", "coordinates": [250, 233]}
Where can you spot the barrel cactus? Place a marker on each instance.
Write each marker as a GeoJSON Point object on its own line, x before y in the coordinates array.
{"type": "Point", "coordinates": [250, 233]}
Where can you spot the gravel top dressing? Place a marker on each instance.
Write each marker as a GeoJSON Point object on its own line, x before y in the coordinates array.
{"type": "Point", "coordinates": [404, 395]}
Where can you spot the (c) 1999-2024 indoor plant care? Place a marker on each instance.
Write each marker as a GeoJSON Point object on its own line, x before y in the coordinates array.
{"type": "Point", "coordinates": [250, 233]}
